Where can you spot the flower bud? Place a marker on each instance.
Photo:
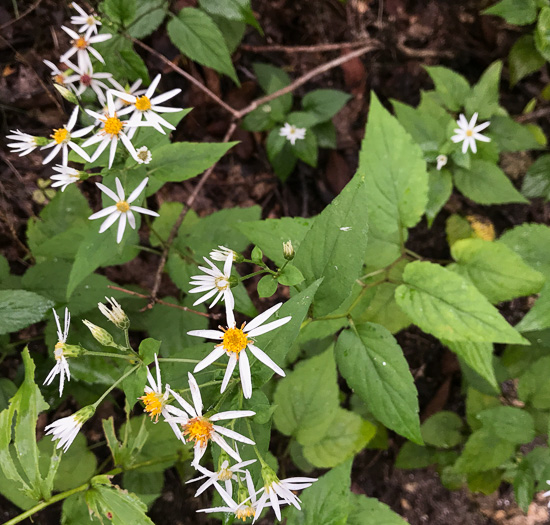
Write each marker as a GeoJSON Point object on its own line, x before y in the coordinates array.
{"type": "Point", "coordinates": [100, 335]}
{"type": "Point", "coordinates": [66, 93]}
{"type": "Point", "coordinates": [288, 250]}
{"type": "Point", "coordinates": [116, 314]}
{"type": "Point", "coordinates": [441, 161]}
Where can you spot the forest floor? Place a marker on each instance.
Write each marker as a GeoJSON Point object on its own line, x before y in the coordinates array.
{"type": "Point", "coordinates": [411, 34]}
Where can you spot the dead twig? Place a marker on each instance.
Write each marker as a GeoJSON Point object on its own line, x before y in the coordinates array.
{"type": "Point", "coordinates": [320, 48]}
{"type": "Point", "coordinates": [533, 115]}
{"type": "Point", "coordinates": [22, 15]}
{"type": "Point", "coordinates": [160, 301]}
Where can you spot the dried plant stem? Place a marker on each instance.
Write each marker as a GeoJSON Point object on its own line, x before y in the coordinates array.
{"type": "Point", "coordinates": [320, 48]}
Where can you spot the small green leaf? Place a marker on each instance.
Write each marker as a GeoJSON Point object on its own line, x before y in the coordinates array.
{"type": "Point", "coordinates": [452, 87]}
{"type": "Point", "coordinates": [121, 12]}
{"type": "Point", "coordinates": [324, 103]}
{"type": "Point", "coordinates": [373, 365]}
{"type": "Point", "coordinates": [510, 135]}
{"type": "Point", "coordinates": [538, 318]}
{"type": "Point", "coordinates": [147, 19]}
{"type": "Point", "coordinates": [542, 33]}
{"type": "Point", "coordinates": [486, 183]}
{"type": "Point", "coordinates": [370, 511]}
{"type": "Point", "coordinates": [478, 356]}
{"type": "Point", "coordinates": [198, 37]}
{"type": "Point", "coordinates": [530, 242]}
{"type": "Point", "coordinates": [483, 98]}
{"type": "Point", "coordinates": [536, 182]}
{"type": "Point", "coordinates": [307, 399]}
{"type": "Point", "coordinates": [257, 255]}
{"type": "Point", "coordinates": [484, 451]}
{"type": "Point", "coordinates": [524, 59]}
{"type": "Point", "coordinates": [413, 456]}
{"type": "Point", "coordinates": [442, 430]}
{"type": "Point", "coordinates": [19, 309]}
{"type": "Point", "coordinates": [290, 276]}
{"type": "Point", "coordinates": [147, 350]}
{"type": "Point", "coordinates": [516, 12]}
{"type": "Point", "coordinates": [509, 423]}
{"type": "Point", "coordinates": [267, 286]}
{"type": "Point", "coordinates": [444, 304]}
{"type": "Point", "coordinates": [441, 187]}
{"type": "Point", "coordinates": [272, 79]}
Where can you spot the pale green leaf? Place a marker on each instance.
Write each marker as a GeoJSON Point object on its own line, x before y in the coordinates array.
{"type": "Point", "coordinates": [370, 511]}
{"type": "Point", "coordinates": [20, 308]}
{"type": "Point", "coordinates": [538, 318]}
{"type": "Point", "coordinates": [530, 242]}
{"type": "Point", "coordinates": [511, 424]}
{"type": "Point", "coordinates": [324, 103]}
{"type": "Point", "coordinates": [478, 356]}
{"type": "Point", "coordinates": [452, 87]}
{"type": "Point", "coordinates": [542, 33]}
{"type": "Point", "coordinates": [442, 430]}
{"type": "Point", "coordinates": [517, 12]}
{"type": "Point", "coordinates": [441, 187]}
{"type": "Point", "coordinates": [483, 98]}
{"type": "Point", "coordinates": [484, 451]}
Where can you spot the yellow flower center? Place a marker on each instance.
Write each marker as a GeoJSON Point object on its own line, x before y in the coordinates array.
{"type": "Point", "coordinates": [225, 474]}
{"type": "Point", "coordinates": [60, 135]}
{"type": "Point", "coordinates": [122, 206]}
{"type": "Point", "coordinates": [80, 43]}
{"type": "Point", "coordinates": [113, 126]}
{"type": "Point", "coordinates": [154, 403]}
{"type": "Point", "coordinates": [90, 21]}
{"type": "Point", "coordinates": [143, 103]}
{"type": "Point", "coordinates": [244, 513]}
{"type": "Point", "coordinates": [199, 430]}
{"type": "Point", "coordinates": [59, 79]}
{"type": "Point", "coordinates": [292, 130]}
{"type": "Point", "coordinates": [221, 283]}
{"type": "Point", "coordinates": [58, 352]}
{"type": "Point", "coordinates": [469, 133]}
{"type": "Point", "coordinates": [234, 340]}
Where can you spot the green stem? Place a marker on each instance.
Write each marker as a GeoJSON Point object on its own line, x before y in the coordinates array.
{"type": "Point", "coordinates": [181, 360]}
{"type": "Point", "coordinates": [150, 250]}
{"type": "Point", "coordinates": [266, 270]}
{"type": "Point", "coordinates": [251, 436]}
{"type": "Point", "coordinates": [117, 382]}
{"type": "Point", "coordinates": [108, 354]}
{"type": "Point", "coordinates": [414, 254]}
{"type": "Point", "coordinates": [44, 504]}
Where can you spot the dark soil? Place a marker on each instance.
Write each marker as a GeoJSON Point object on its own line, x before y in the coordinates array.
{"type": "Point", "coordinates": [413, 33]}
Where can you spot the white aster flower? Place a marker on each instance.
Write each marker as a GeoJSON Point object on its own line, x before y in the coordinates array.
{"type": "Point", "coordinates": [112, 131]}
{"type": "Point", "coordinates": [88, 23]}
{"type": "Point", "coordinates": [61, 353]}
{"type": "Point", "coordinates": [547, 493]}
{"type": "Point", "coordinates": [81, 45]}
{"type": "Point", "coordinates": [214, 282]}
{"type": "Point", "coordinates": [468, 133]}
{"type": "Point", "coordinates": [281, 492]}
{"type": "Point", "coordinates": [292, 133]}
{"type": "Point", "coordinates": [24, 144]}
{"type": "Point", "coordinates": [62, 140]}
{"type": "Point", "coordinates": [58, 76]}
{"type": "Point", "coordinates": [115, 314]}
{"type": "Point", "coordinates": [84, 74]}
{"type": "Point", "coordinates": [122, 209]}
{"type": "Point", "coordinates": [235, 342]}
{"type": "Point", "coordinates": [129, 90]}
{"type": "Point", "coordinates": [222, 253]}
{"type": "Point", "coordinates": [225, 473]}
{"type": "Point", "coordinates": [441, 161]}
{"type": "Point", "coordinates": [66, 429]}
{"type": "Point", "coordinates": [248, 508]}
{"type": "Point", "coordinates": [146, 106]}
{"type": "Point", "coordinates": [202, 429]}
{"type": "Point", "coordinates": [65, 176]}
{"type": "Point", "coordinates": [143, 155]}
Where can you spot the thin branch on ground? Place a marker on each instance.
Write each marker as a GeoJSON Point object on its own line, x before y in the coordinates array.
{"type": "Point", "coordinates": [533, 115]}
{"type": "Point", "coordinates": [320, 48]}
{"type": "Point", "coordinates": [423, 53]}
{"type": "Point", "coordinates": [181, 217]}
{"type": "Point", "coordinates": [165, 303]}
{"type": "Point", "coordinates": [22, 15]}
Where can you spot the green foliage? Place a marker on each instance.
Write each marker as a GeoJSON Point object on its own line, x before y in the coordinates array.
{"type": "Point", "coordinates": [121, 12]}
{"type": "Point", "coordinates": [19, 309]}
{"type": "Point", "coordinates": [524, 59]}
{"type": "Point", "coordinates": [542, 33]}
{"type": "Point", "coordinates": [452, 88]}
{"type": "Point", "coordinates": [369, 511]}
{"type": "Point", "coordinates": [518, 12]}
{"type": "Point", "coordinates": [536, 182]}
{"type": "Point", "coordinates": [442, 430]}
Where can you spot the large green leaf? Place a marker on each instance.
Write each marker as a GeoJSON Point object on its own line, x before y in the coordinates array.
{"type": "Point", "coordinates": [183, 160]}
{"type": "Point", "coordinates": [374, 367]}
{"type": "Point", "coordinates": [484, 451]}
{"type": "Point", "coordinates": [396, 184]}
{"type": "Point", "coordinates": [120, 12]}
{"type": "Point", "coordinates": [198, 37]}
{"type": "Point", "coordinates": [496, 271]}
{"type": "Point", "coordinates": [442, 430]}
{"type": "Point", "coordinates": [486, 183]}
{"type": "Point", "coordinates": [327, 501]}
{"type": "Point", "coordinates": [538, 318]}
{"type": "Point", "coordinates": [509, 423]}
{"type": "Point", "coordinates": [510, 135]}
{"type": "Point", "coordinates": [446, 305]}
{"type": "Point", "coordinates": [307, 399]}
{"type": "Point", "coordinates": [478, 356]}
{"type": "Point", "coordinates": [149, 15]}
{"type": "Point", "coordinates": [335, 246]}
{"type": "Point", "coordinates": [452, 88]}
{"type": "Point", "coordinates": [530, 242]}
{"type": "Point", "coordinates": [20, 308]}
{"type": "Point", "coordinates": [483, 98]}
{"type": "Point", "coordinates": [370, 511]}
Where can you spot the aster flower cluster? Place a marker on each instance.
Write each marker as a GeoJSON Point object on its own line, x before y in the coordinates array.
{"type": "Point", "coordinates": [184, 410]}
{"type": "Point", "coordinates": [139, 107]}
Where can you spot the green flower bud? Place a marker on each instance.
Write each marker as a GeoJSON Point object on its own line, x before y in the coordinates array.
{"type": "Point", "coordinates": [66, 93]}
{"type": "Point", "coordinates": [288, 250]}
{"type": "Point", "coordinates": [100, 335]}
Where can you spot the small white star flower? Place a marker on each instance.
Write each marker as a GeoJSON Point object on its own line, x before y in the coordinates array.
{"type": "Point", "coordinates": [143, 155]}
{"type": "Point", "coordinates": [84, 74]}
{"type": "Point", "coordinates": [146, 106]}
{"type": "Point", "coordinates": [88, 23]}
{"type": "Point", "coordinates": [24, 144]}
{"type": "Point", "coordinates": [292, 133]}
{"type": "Point", "coordinates": [58, 76]}
{"type": "Point", "coordinates": [281, 492]}
{"type": "Point", "coordinates": [222, 253]}
{"type": "Point", "coordinates": [122, 209]}
{"type": "Point", "coordinates": [61, 365]}
{"type": "Point", "coordinates": [225, 473]}
{"type": "Point", "coordinates": [66, 429]}
{"type": "Point", "coordinates": [129, 90]}
{"type": "Point", "coordinates": [441, 161]}
{"type": "Point", "coordinates": [202, 429]}
{"type": "Point", "coordinates": [345, 228]}
{"type": "Point", "coordinates": [62, 140]}
{"type": "Point", "coordinates": [468, 133]}
{"type": "Point", "coordinates": [235, 342]}
{"type": "Point", "coordinates": [214, 282]}
{"type": "Point", "coordinates": [81, 44]}
{"type": "Point", "coordinates": [248, 508]}
{"type": "Point", "coordinates": [64, 176]}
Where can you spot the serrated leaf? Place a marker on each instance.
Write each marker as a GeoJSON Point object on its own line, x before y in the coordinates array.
{"type": "Point", "coordinates": [486, 183]}
{"type": "Point", "coordinates": [444, 304]}
{"type": "Point", "coordinates": [307, 399]}
{"type": "Point", "coordinates": [452, 88]}
{"type": "Point", "coordinates": [183, 160]}
{"type": "Point", "coordinates": [530, 242]}
{"type": "Point", "coordinates": [478, 356]}
{"type": "Point", "coordinates": [496, 271]}
{"type": "Point", "coordinates": [335, 246]}
{"type": "Point", "coordinates": [374, 367]}
{"type": "Point", "coordinates": [147, 18]}
{"type": "Point", "coordinates": [483, 97]}
{"type": "Point", "coordinates": [347, 435]}
{"type": "Point", "coordinates": [119, 11]}
{"type": "Point", "coordinates": [198, 37]}
{"type": "Point", "coordinates": [370, 511]}
{"type": "Point", "coordinates": [396, 184]}
{"type": "Point", "coordinates": [510, 135]}
{"type": "Point", "coordinates": [20, 308]}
